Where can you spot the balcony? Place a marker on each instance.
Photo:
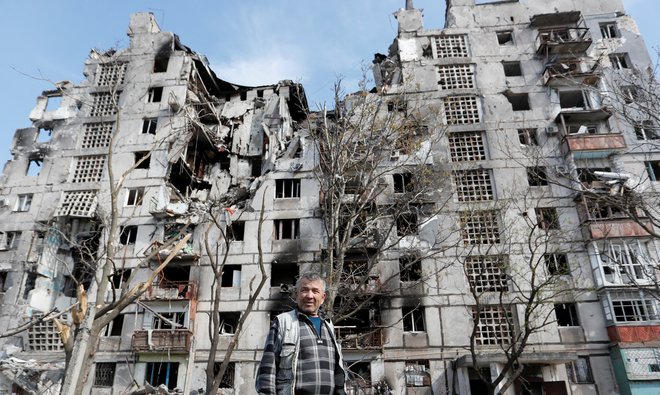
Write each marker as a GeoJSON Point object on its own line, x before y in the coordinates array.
{"type": "Point", "coordinates": [353, 338]}
{"type": "Point", "coordinates": [607, 229]}
{"type": "Point", "coordinates": [634, 334]}
{"type": "Point", "coordinates": [563, 40]}
{"type": "Point", "coordinates": [587, 146]}
{"type": "Point", "coordinates": [171, 290]}
{"type": "Point", "coordinates": [187, 253]}
{"type": "Point", "coordinates": [568, 73]}
{"type": "Point", "coordinates": [161, 340]}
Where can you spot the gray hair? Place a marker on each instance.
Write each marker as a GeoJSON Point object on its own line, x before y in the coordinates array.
{"type": "Point", "coordinates": [309, 276]}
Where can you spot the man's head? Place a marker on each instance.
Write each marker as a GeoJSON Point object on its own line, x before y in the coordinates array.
{"type": "Point", "coordinates": [310, 293]}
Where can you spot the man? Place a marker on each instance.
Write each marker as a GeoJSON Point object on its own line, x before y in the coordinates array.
{"type": "Point", "coordinates": [301, 355]}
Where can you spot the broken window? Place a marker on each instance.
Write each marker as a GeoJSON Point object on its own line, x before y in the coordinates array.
{"type": "Point", "coordinates": [566, 314]}
{"type": "Point", "coordinates": [574, 99]}
{"type": "Point", "coordinates": [104, 104]}
{"type": "Point", "coordinates": [402, 182]}
{"type": "Point", "coordinates": [128, 235]}
{"type": "Point", "coordinates": [155, 94]}
{"type": "Point", "coordinates": [473, 185]}
{"type": "Point", "coordinates": [653, 169]}
{"type": "Point", "coordinates": [456, 76]}
{"type": "Point", "coordinates": [398, 105]}
{"type": "Point", "coordinates": [609, 30]}
{"type": "Point", "coordinates": [602, 210]}
{"type": "Point", "coordinates": [624, 261]}
{"type": "Point", "coordinates": [160, 63]}
{"type": "Point", "coordinates": [352, 186]}
{"type": "Point", "coordinates": [142, 159]}
{"type": "Point", "coordinates": [44, 135]}
{"type": "Point", "coordinates": [70, 287]}
{"type": "Point", "coordinates": [287, 188]}
{"type": "Point", "coordinates": [646, 130]}
{"type": "Point", "coordinates": [505, 37]}
{"type": "Point", "coordinates": [467, 146]}
{"type": "Point", "coordinates": [287, 229]}
{"type": "Point", "coordinates": [283, 273]}
{"type": "Point", "coordinates": [461, 110]}
{"type": "Point", "coordinates": [134, 197]}
{"type": "Point", "coordinates": [227, 380]}
{"type": "Point", "coordinates": [528, 137]}
{"type": "Point", "coordinates": [158, 373]}
{"type": "Point", "coordinates": [175, 274]}
{"type": "Point", "coordinates": [629, 94]}
{"type": "Point", "coordinates": [480, 227]}
{"type": "Point", "coordinates": [169, 320]}
{"type": "Point", "coordinates": [537, 176]}
{"type": "Point", "coordinates": [77, 204]}
{"type": "Point", "coordinates": [519, 101]}
{"type": "Point", "coordinates": [633, 307]}
{"type": "Point", "coordinates": [418, 374]}
{"type": "Point", "coordinates": [512, 69]}
{"type": "Point", "coordinates": [493, 325]}
{"type": "Point", "coordinates": [12, 239]}
{"type": "Point", "coordinates": [228, 322]}
{"type": "Point", "coordinates": [588, 128]}
{"type": "Point", "coordinates": [120, 277]}
{"type": "Point", "coordinates": [110, 74]}
{"type": "Point", "coordinates": [34, 167]}
{"type": "Point", "coordinates": [236, 231]}
{"type": "Point", "coordinates": [23, 202]}
{"type": "Point", "coordinates": [547, 218]}
{"type": "Point", "coordinates": [30, 282]}
{"type": "Point", "coordinates": [3, 281]}
{"type": "Point", "coordinates": [413, 319]}
{"type": "Point", "coordinates": [115, 327]}
{"type": "Point", "coordinates": [557, 264]}
{"type": "Point", "coordinates": [44, 336]}
{"type": "Point", "coordinates": [88, 168]}
{"type": "Point", "coordinates": [486, 273]}
{"type": "Point", "coordinates": [410, 268]}
{"type": "Point", "coordinates": [97, 135]}
{"type": "Point", "coordinates": [104, 374]}
{"type": "Point", "coordinates": [451, 46]}
{"type": "Point", "coordinates": [579, 371]}
{"type": "Point", "coordinates": [53, 102]}
{"type": "Point", "coordinates": [406, 223]}
{"type": "Point", "coordinates": [620, 61]}
{"type": "Point", "coordinates": [149, 125]}
{"type": "Point", "coordinates": [231, 276]}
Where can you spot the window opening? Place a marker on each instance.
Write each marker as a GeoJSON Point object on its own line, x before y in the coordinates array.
{"type": "Point", "coordinates": [413, 319]}
{"type": "Point", "coordinates": [537, 176]}
{"type": "Point", "coordinates": [283, 273]}
{"type": "Point", "coordinates": [128, 235]}
{"type": "Point", "coordinates": [23, 202]}
{"type": "Point", "coordinates": [44, 135]}
{"type": "Point", "coordinates": [574, 99]}
{"type": "Point", "coordinates": [653, 169]}
{"type": "Point", "coordinates": [104, 374]}
{"type": "Point", "coordinates": [142, 159]}
{"type": "Point", "coordinates": [619, 61]}
{"type": "Point", "coordinates": [557, 264]}
{"type": "Point", "coordinates": [149, 125]}
{"type": "Point", "coordinates": [134, 196]}
{"type": "Point", "coordinates": [646, 130]}
{"type": "Point", "coordinates": [287, 229]}
{"type": "Point", "coordinates": [547, 218]}
{"type": "Point", "coordinates": [456, 77]}
{"type": "Point", "coordinates": [169, 320]}
{"type": "Point", "coordinates": [519, 101]}
{"type": "Point", "coordinates": [528, 137]}
{"type": "Point", "coordinates": [410, 268]}
{"type": "Point", "coordinates": [154, 95]}
{"type": "Point", "coordinates": [3, 281]}
{"type": "Point", "coordinates": [231, 276]}
{"type": "Point", "coordinates": [287, 188]}
{"type": "Point", "coordinates": [227, 380]}
{"type": "Point", "coordinates": [406, 224]}
{"type": "Point", "coordinates": [467, 146]}
{"type": "Point", "coordinates": [158, 373]}
{"type": "Point", "coordinates": [512, 69]}
{"type": "Point", "coordinates": [229, 322]}
{"type": "Point", "coordinates": [236, 231]}
{"type": "Point", "coordinates": [473, 185]}
{"type": "Point", "coordinates": [12, 239]}
{"type": "Point", "coordinates": [115, 327]}
{"type": "Point", "coordinates": [494, 325]}
{"type": "Point", "coordinates": [480, 227]}
{"type": "Point", "coordinates": [160, 63]}
{"type": "Point", "coordinates": [505, 37]}
{"type": "Point", "coordinates": [487, 273]}
{"type": "Point", "coordinates": [609, 30]}
{"type": "Point", "coordinates": [88, 168]}
{"type": "Point", "coordinates": [34, 167]}
{"type": "Point", "coordinates": [566, 314]}
{"type": "Point", "coordinates": [579, 371]}
{"type": "Point", "coordinates": [451, 46]}
{"type": "Point", "coordinates": [402, 182]}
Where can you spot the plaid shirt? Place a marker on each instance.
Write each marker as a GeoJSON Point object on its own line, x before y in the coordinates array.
{"type": "Point", "coordinates": [317, 371]}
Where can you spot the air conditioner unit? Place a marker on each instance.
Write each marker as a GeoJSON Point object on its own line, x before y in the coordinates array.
{"type": "Point", "coordinates": [550, 130]}
{"type": "Point", "coordinates": [286, 288]}
{"type": "Point", "coordinates": [395, 155]}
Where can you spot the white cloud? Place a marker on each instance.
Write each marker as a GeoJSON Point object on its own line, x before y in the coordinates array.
{"type": "Point", "coordinates": [262, 68]}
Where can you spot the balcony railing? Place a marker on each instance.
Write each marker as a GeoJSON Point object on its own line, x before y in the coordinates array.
{"type": "Point", "coordinates": [568, 73]}
{"type": "Point", "coordinates": [584, 145]}
{"type": "Point", "coordinates": [352, 338]}
{"type": "Point", "coordinates": [607, 229]}
{"type": "Point", "coordinates": [171, 290]}
{"type": "Point", "coordinates": [161, 340]}
{"type": "Point", "coordinates": [562, 40]}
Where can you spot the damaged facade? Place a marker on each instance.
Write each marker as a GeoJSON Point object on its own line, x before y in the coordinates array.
{"type": "Point", "coordinates": [514, 97]}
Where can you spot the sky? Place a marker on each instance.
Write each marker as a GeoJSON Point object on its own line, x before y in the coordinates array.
{"type": "Point", "coordinates": [249, 42]}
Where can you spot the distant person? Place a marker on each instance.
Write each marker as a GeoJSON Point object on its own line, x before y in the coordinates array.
{"type": "Point", "coordinates": [302, 355]}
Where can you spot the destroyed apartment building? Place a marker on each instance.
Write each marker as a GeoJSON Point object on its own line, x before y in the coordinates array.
{"type": "Point", "coordinates": [486, 214]}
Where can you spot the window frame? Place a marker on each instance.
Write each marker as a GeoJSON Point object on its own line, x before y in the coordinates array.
{"type": "Point", "coordinates": [23, 202]}
{"type": "Point", "coordinates": [413, 319]}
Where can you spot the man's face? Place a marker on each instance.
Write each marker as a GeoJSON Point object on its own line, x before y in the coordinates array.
{"type": "Point", "coordinates": [310, 297]}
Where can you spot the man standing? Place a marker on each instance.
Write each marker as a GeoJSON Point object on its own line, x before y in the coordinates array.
{"type": "Point", "coordinates": [301, 355]}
